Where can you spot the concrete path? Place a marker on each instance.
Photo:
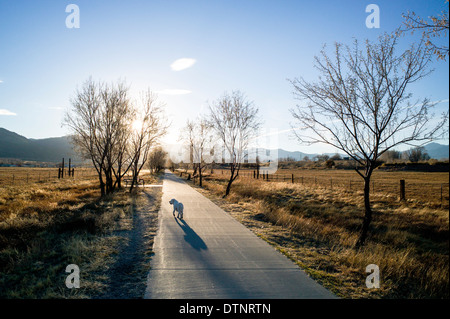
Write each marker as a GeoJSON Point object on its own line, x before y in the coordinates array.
{"type": "Point", "coordinates": [209, 254]}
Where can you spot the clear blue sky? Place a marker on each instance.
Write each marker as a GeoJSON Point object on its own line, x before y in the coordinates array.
{"type": "Point", "coordinates": [251, 45]}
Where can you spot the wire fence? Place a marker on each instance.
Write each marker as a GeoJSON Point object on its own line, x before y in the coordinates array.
{"type": "Point", "coordinates": [22, 175]}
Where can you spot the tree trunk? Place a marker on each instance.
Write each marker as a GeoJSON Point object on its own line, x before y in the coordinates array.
{"type": "Point", "coordinates": [102, 184]}
{"type": "Point", "coordinates": [234, 173]}
{"type": "Point", "coordinates": [228, 187]}
{"type": "Point", "coordinates": [367, 215]}
{"type": "Point", "coordinates": [230, 181]}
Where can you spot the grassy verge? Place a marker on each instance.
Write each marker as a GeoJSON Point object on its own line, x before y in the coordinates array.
{"type": "Point", "coordinates": [317, 228]}
{"type": "Point", "coordinates": [46, 226]}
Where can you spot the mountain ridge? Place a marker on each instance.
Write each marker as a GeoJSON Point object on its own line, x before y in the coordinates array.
{"type": "Point", "coordinates": [53, 149]}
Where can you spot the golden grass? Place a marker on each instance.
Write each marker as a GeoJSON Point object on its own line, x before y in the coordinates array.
{"type": "Point", "coordinates": [422, 187]}
{"type": "Point", "coordinates": [44, 226]}
{"type": "Point", "coordinates": [317, 227]}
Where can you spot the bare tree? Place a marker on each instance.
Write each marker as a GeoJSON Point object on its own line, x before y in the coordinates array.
{"type": "Point", "coordinates": [432, 28]}
{"type": "Point", "coordinates": [202, 143]}
{"type": "Point", "coordinates": [115, 124]}
{"type": "Point", "coordinates": [84, 121]}
{"type": "Point", "coordinates": [98, 120]}
{"type": "Point", "coordinates": [235, 121]}
{"type": "Point", "coordinates": [188, 137]}
{"type": "Point", "coordinates": [157, 159]}
{"type": "Point", "coordinates": [149, 126]}
{"type": "Point", "coordinates": [360, 105]}
{"type": "Point", "coordinates": [198, 137]}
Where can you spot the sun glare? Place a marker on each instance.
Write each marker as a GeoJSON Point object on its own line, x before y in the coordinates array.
{"type": "Point", "coordinates": [136, 125]}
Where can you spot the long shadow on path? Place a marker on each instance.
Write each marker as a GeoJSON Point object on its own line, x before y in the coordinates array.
{"type": "Point", "coordinates": [190, 236]}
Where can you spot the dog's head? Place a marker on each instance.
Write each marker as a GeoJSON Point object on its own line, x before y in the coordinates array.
{"type": "Point", "coordinates": [171, 201]}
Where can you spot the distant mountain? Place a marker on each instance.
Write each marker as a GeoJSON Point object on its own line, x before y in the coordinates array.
{"type": "Point", "coordinates": [13, 145]}
{"type": "Point", "coordinates": [298, 156]}
{"type": "Point", "coordinates": [437, 151]}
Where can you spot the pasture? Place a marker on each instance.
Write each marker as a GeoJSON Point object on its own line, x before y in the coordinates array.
{"type": "Point", "coordinates": [431, 188]}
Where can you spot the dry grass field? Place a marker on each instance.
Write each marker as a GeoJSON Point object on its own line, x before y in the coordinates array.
{"type": "Point", "coordinates": [317, 227]}
{"type": "Point", "coordinates": [431, 188]}
{"type": "Point", "coordinates": [49, 223]}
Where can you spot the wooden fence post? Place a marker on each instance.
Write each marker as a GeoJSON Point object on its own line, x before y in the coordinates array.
{"type": "Point", "coordinates": [402, 189]}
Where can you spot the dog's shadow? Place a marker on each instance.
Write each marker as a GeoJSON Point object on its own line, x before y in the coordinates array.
{"type": "Point", "coordinates": [190, 236]}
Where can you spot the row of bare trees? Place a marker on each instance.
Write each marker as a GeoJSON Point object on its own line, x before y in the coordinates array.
{"type": "Point", "coordinates": [115, 132]}
{"type": "Point", "coordinates": [230, 125]}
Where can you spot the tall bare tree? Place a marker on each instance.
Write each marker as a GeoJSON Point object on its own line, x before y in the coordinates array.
{"type": "Point", "coordinates": [114, 129]}
{"type": "Point", "coordinates": [98, 120]}
{"type": "Point", "coordinates": [235, 121]}
{"type": "Point", "coordinates": [361, 105]}
{"type": "Point", "coordinates": [84, 121]}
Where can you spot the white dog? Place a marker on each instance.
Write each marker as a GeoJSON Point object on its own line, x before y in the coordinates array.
{"type": "Point", "coordinates": [177, 207]}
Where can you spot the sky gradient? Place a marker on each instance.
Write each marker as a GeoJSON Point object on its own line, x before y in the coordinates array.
{"type": "Point", "coordinates": [253, 46]}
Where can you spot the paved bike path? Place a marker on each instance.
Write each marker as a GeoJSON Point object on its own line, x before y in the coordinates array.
{"type": "Point", "coordinates": [209, 254]}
